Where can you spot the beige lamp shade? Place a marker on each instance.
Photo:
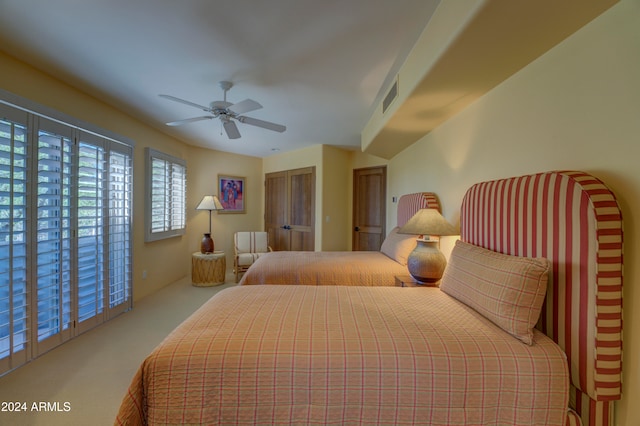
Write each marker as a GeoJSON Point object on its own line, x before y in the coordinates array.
{"type": "Point", "coordinates": [210, 202]}
{"type": "Point", "coordinates": [426, 262]}
{"type": "Point", "coordinates": [428, 222]}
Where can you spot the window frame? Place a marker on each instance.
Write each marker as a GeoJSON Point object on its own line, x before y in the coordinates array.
{"type": "Point", "coordinates": [179, 215]}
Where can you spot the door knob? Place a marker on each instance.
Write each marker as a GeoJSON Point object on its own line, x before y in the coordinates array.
{"type": "Point", "coordinates": [357, 228]}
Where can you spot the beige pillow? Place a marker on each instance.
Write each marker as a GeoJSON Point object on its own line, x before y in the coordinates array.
{"type": "Point", "coordinates": [398, 246]}
{"type": "Point", "coordinates": [508, 290]}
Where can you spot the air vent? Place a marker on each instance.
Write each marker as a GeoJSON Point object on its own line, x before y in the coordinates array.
{"type": "Point", "coordinates": [391, 96]}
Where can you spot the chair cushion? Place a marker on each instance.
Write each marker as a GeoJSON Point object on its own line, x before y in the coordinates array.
{"type": "Point", "coordinates": [251, 242]}
{"type": "Point", "coordinates": [247, 259]}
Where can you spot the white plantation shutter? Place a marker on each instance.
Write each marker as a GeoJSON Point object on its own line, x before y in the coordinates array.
{"type": "Point", "coordinates": [178, 196]}
{"type": "Point", "coordinates": [53, 234]}
{"type": "Point", "coordinates": [65, 230]}
{"type": "Point", "coordinates": [120, 203]}
{"type": "Point", "coordinates": [14, 324]}
{"type": "Point", "coordinates": [90, 236]}
{"type": "Point", "coordinates": [166, 192]}
{"type": "Point", "coordinates": [160, 193]}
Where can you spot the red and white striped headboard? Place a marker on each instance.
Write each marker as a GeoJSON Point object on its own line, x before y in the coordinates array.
{"type": "Point", "coordinates": [409, 204]}
{"type": "Point", "coordinates": [572, 219]}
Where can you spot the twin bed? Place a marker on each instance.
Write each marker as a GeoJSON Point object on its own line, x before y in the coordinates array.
{"type": "Point", "coordinates": [349, 268]}
{"type": "Point", "coordinates": [464, 353]}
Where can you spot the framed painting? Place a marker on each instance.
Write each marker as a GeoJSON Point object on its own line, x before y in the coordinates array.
{"type": "Point", "coordinates": [231, 193]}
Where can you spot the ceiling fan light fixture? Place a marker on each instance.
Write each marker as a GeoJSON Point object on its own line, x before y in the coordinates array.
{"type": "Point", "coordinates": [218, 105]}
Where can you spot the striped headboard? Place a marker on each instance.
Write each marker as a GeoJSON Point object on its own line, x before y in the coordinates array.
{"type": "Point", "coordinates": [572, 219]}
{"type": "Point", "coordinates": [409, 204]}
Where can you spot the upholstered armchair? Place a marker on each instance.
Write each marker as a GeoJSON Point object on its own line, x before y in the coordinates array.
{"type": "Point", "coordinates": [248, 247]}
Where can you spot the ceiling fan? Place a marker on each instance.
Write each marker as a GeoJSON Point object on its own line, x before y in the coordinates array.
{"type": "Point", "coordinates": [227, 112]}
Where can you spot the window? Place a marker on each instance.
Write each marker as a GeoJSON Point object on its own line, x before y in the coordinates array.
{"type": "Point", "coordinates": [166, 195]}
{"type": "Point", "coordinates": [65, 229]}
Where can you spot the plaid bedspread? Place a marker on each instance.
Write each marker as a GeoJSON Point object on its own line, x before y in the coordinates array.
{"type": "Point", "coordinates": [346, 355]}
{"type": "Point", "coordinates": [358, 268]}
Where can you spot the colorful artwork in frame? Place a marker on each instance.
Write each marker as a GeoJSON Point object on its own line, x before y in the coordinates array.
{"type": "Point", "coordinates": [231, 193]}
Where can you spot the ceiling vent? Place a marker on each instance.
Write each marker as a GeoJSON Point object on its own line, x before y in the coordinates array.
{"type": "Point", "coordinates": [391, 96]}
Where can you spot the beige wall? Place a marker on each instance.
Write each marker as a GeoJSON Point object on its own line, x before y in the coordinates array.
{"type": "Point", "coordinates": [336, 226]}
{"type": "Point", "coordinates": [577, 107]}
{"type": "Point", "coordinates": [204, 166]}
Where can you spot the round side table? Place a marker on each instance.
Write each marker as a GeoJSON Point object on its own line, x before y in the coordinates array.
{"type": "Point", "coordinates": [208, 269]}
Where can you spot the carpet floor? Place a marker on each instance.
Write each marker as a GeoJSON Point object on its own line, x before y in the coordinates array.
{"type": "Point", "coordinates": [83, 381]}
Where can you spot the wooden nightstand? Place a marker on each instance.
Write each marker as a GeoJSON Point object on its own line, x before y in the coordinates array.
{"type": "Point", "coordinates": [409, 281]}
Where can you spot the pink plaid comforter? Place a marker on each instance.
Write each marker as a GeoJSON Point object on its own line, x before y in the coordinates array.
{"type": "Point", "coordinates": [355, 268]}
{"type": "Point", "coordinates": [346, 355]}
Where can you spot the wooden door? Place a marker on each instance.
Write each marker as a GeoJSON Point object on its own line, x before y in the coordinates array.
{"type": "Point", "coordinates": [302, 195]}
{"type": "Point", "coordinates": [275, 216]}
{"type": "Point", "coordinates": [290, 209]}
{"type": "Point", "coordinates": [369, 217]}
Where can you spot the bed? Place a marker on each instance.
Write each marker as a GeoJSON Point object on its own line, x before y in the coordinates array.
{"type": "Point", "coordinates": [359, 268]}
{"type": "Point", "coordinates": [283, 354]}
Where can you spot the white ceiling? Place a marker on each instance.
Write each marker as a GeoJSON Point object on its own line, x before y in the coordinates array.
{"type": "Point", "coordinates": [318, 67]}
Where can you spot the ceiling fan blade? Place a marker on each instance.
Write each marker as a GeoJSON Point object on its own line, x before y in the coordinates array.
{"type": "Point", "coordinates": [182, 101]}
{"type": "Point", "coordinates": [244, 106]}
{"type": "Point", "coordinates": [231, 129]}
{"type": "Point", "coordinates": [189, 120]}
{"type": "Point", "coordinates": [264, 124]}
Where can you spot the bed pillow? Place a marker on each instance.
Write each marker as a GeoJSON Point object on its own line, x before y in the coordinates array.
{"type": "Point", "coordinates": [508, 290]}
{"type": "Point", "coordinates": [398, 246]}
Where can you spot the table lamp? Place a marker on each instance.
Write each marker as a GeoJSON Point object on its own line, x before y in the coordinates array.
{"type": "Point", "coordinates": [426, 262]}
{"type": "Point", "coordinates": [209, 202]}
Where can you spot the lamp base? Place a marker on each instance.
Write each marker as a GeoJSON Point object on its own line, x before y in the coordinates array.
{"type": "Point", "coordinates": [206, 246]}
{"type": "Point", "coordinates": [426, 262]}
